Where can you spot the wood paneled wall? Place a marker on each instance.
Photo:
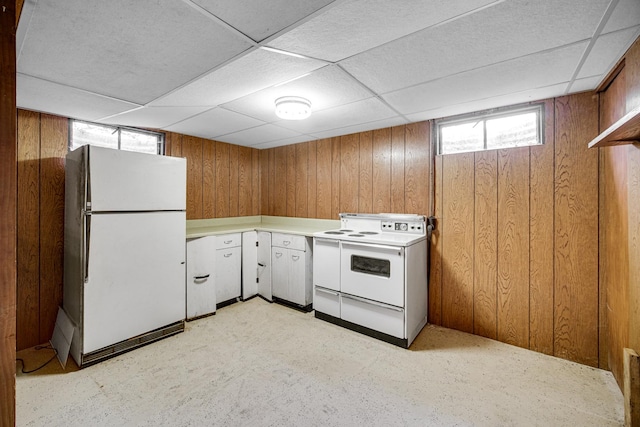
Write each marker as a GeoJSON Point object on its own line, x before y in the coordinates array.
{"type": "Point", "coordinates": [620, 221]}
{"type": "Point", "coordinates": [8, 212]}
{"type": "Point", "coordinates": [223, 180]}
{"type": "Point", "coordinates": [633, 197]}
{"type": "Point", "coordinates": [515, 256]}
{"type": "Point", "coordinates": [42, 146]}
{"type": "Point", "coordinates": [385, 170]}
{"type": "Point", "coordinates": [614, 261]}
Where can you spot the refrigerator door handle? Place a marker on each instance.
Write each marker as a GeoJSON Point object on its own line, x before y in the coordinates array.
{"type": "Point", "coordinates": [86, 232]}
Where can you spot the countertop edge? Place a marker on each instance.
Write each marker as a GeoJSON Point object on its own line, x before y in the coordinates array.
{"type": "Point", "coordinates": [269, 225]}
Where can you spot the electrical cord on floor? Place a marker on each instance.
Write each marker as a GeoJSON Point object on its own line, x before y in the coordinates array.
{"type": "Point", "coordinates": [39, 347]}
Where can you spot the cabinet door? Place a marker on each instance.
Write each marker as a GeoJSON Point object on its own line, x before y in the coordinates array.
{"type": "Point", "coordinates": [249, 264]}
{"type": "Point", "coordinates": [228, 270]}
{"type": "Point", "coordinates": [326, 263]}
{"type": "Point", "coordinates": [296, 267]}
{"type": "Point", "coordinates": [280, 273]}
{"type": "Point", "coordinates": [201, 291]}
{"type": "Point", "coordinates": [264, 264]}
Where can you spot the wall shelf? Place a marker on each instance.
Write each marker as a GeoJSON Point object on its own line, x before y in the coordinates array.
{"type": "Point", "coordinates": [624, 131]}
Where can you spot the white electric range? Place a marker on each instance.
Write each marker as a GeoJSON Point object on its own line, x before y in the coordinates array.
{"type": "Point", "coordinates": [371, 275]}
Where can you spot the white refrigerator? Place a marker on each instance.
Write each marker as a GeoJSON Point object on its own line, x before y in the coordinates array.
{"type": "Point", "coordinates": [124, 250]}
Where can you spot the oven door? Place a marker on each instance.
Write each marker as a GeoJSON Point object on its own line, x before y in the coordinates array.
{"type": "Point", "coordinates": [374, 272]}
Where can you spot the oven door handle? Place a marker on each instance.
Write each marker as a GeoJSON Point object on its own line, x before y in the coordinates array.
{"type": "Point", "coordinates": [371, 245]}
{"type": "Point", "coordinates": [376, 303]}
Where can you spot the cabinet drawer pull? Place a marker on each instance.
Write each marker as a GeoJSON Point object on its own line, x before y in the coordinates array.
{"type": "Point", "coordinates": [278, 254]}
{"type": "Point", "coordinates": [200, 277]}
{"type": "Point", "coordinates": [226, 242]}
{"type": "Point", "coordinates": [286, 242]}
{"type": "Point", "coordinates": [295, 257]}
{"type": "Point", "coordinates": [261, 264]}
{"type": "Point", "coordinates": [228, 255]}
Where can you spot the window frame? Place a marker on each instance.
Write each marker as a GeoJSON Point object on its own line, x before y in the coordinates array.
{"type": "Point", "coordinates": [161, 145]}
{"type": "Point", "coordinates": [494, 113]}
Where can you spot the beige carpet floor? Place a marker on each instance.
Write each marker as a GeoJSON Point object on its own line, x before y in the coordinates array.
{"type": "Point", "coordinates": [261, 364]}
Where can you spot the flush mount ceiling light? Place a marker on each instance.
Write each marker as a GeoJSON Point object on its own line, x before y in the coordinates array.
{"type": "Point", "coordinates": [293, 108]}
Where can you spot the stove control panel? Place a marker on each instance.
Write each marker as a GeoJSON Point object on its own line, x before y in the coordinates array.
{"type": "Point", "coordinates": [404, 227]}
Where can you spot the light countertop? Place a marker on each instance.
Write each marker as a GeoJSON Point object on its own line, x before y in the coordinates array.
{"type": "Point", "coordinates": [275, 224]}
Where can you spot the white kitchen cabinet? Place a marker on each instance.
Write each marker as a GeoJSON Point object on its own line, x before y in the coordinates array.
{"type": "Point", "coordinates": [201, 290]}
{"type": "Point", "coordinates": [280, 272]}
{"type": "Point", "coordinates": [256, 264]}
{"type": "Point", "coordinates": [228, 268]}
{"type": "Point", "coordinates": [264, 265]}
{"type": "Point", "coordinates": [249, 264]}
{"type": "Point", "coordinates": [291, 265]}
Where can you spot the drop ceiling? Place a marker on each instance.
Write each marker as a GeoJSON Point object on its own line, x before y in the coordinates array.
{"type": "Point", "coordinates": [213, 68]}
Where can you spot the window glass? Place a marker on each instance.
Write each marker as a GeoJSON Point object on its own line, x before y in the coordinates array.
{"type": "Point", "coordinates": [495, 129]}
{"type": "Point", "coordinates": [512, 131]}
{"type": "Point", "coordinates": [137, 141]}
{"type": "Point", "coordinates": [463, 137]}
{"type": "Point", "coordinates": [83, 133]}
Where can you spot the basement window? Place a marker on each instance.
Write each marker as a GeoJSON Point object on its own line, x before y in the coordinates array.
{"type": "Point", "coordinates": [518, 126]}
{"type": "Point", "coordinates": [117, 137]}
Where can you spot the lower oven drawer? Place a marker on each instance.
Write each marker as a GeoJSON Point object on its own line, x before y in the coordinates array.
{"type": "Point", "coordinates": [326, 301]}
{"type": "Point", "coordinates": [373, 315]}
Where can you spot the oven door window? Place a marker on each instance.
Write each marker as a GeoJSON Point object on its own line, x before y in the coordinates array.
{"type": "Point", "coordinates": [368, 265]}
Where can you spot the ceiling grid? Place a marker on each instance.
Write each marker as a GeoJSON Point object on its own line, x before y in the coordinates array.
{"type": "Point", "coordinates": [213, 68]}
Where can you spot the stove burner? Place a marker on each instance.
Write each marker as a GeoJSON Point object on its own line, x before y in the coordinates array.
{"type": "Point", "coordinates": [356, 235]}
{"type": "Point", "coordinates": [346, 231]}
{"type": "Point", "coordinates": [333, 232]}
{"type": "Point", "coordinates": [369, 232]}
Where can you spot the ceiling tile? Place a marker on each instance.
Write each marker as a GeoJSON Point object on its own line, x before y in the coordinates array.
{"type": "Point", "coordinates": [626, 14]}
{"type": "Point", "coordinates": [153, 117]}
{"type": "Point", "coordinates": [254, 71]}
{"type": "Point", "coordinates": [356, 113]}
{"type": "Point", "coordinates": [174, 65]}
{"type": "Point", "coordinates": [492, 102]}
{"type": "Point", "coordinates": [41, 95]}
{"type": "Point", "coordinates": [134, 53]}
{"type": "Point", "coordinates": [341, 31]}
{"type": "Point", "coordinates": [261, 19]}
{"type": "Point", "coordinates": [259, 135]}
{"type": "Point", "coordinates": [325, 88]}
{"type": "Point", "coordinates": [285, 141]}
{"type": "Point", "coordinates": [379, 124]}
{"type": "Point", "coordinates": [213, 123]}
{"type": "Point", "coordinates": [606, 51]}
{"type": "Point", "coordinates": [505, 31]}
{"type": "Point", "coordinates": [589, 83]}
{"type": "Point", "coordinates": [520, 74]}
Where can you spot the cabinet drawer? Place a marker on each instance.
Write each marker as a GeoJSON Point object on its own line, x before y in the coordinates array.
{"type": "Point", "coordinates": [373, 315]}
{"type": "Point", "coordinates": [228, 240]}
{"type": "Point", "coordinates": [290, 241]}
{"type": "Point", "coordinates": [326, 301]}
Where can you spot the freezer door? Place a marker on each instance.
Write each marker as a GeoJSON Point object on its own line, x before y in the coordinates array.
{"type": "Point", "coordinates": [136, 276]}
{"type": "Point", "coordinates": [128, 181]}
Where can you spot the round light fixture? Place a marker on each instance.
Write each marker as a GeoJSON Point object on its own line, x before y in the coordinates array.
{"type": "Point", "coordinates": [293, 108]}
